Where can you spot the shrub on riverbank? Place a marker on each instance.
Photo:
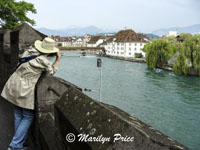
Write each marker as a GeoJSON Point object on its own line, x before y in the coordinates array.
{"type": "Point", "coordinates": [138, 55]}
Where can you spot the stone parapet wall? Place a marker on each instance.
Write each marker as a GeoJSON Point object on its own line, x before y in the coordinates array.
{"type": "Point", "coordinates": [69, 110]}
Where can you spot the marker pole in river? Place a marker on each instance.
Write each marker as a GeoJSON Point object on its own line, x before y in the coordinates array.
{"type": "Point", "coordinates": [99, 62]}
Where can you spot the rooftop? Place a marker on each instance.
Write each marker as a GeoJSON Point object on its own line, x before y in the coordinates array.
{"type": "Point", "coordinates": [94, 39]}
{"type": "Point", "coordinates": [128, 36]}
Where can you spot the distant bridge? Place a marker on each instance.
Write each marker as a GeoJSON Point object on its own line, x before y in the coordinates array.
{"type": "Point", "coordinates": [82, 48]}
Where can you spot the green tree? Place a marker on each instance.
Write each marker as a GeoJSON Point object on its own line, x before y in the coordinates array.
{"type": "Point", "coordinates": [185, 36]}
{"type": "Point", "coordinates": [189, 55]}
{"type": "Point", "coordinates": [196, 53]}
{"type": "Point", "coordinates": [171, 39]}
{"type": "Point", "coordinates": [158, 52]}
{"type": "Point", "coordinates": [14, 13]}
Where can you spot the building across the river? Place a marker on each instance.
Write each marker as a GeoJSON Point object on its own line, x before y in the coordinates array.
{"type": "Point", "coordinates": [126, 43]}
{"type": "Point", "coordinates": [95, 41]}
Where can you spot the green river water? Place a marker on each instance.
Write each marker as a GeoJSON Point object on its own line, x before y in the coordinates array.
{"type": "Point", "coordinates": [161, 99]}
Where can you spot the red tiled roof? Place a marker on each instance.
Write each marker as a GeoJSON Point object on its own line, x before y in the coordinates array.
{"type": "Point", "coordinates": [127, 36]}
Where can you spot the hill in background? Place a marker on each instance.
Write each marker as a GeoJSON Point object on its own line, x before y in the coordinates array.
{"type": "Point", "coordinates": [93, 30]}
{"type": "Point", "coordinates": [151, 36]}
{"type": "Point", "coordinates": [76, 31]}
{"type": "Point", "coordinates": [194, 29]}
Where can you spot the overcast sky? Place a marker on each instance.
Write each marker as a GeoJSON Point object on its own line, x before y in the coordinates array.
{"type": "Point", "coordinates": [140, 15]}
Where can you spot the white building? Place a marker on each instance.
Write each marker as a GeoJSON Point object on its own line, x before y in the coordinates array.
{"type": "Point", "coordinates": [173, 33]}
{"type": "Point", "coordinates": [77, 42]}
{"type": "Point", "coordinates": [62, 41]}
{"type": "Point", "coordinates": [95, 41]}
{"type": "Point", "coordinates": [86, 39]}
{"type": "Point", "coordinates": [126, 43]}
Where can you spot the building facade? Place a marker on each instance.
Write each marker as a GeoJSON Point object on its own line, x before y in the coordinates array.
{"type": "Point", "coordinates": [173, 33]}
{"type": "Point", "coordinates": [86, 39]}
{"type": "Point", "coordinates": [126, 43]}
{"type": "Point", "coordinates": [77, 42]}
{"type": "Point", "coordinates": [95, 41]}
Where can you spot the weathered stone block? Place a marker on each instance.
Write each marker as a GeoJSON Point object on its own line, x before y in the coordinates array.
{"type": "Point", "coordinates": [50, 135]}
{"type": "Point", "coordinates": [49, 90]}
{"type": "Point", "coordinates": [24, 36]}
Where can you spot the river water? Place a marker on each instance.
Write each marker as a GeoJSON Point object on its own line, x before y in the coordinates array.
{"type": "Point", "coordinates": [161, 99]}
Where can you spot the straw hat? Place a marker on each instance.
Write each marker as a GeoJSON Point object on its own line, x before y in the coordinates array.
{"type": "Point", "coordinates": [46, 46]}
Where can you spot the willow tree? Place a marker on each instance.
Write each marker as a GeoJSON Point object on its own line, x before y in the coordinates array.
{"type": "Point", "coordinates": [189, 56]}
{"type": "Point", "coordinates": [158, 52]}
{"type": "Point", "coordinates": [185, 36]}
{"type": "Point", "coordinates": [171, 39]}
{"type": "Point", "coordinates": [13, 13]}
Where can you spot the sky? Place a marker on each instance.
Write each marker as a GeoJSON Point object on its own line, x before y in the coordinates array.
{"type": "Point", "coordinates": [140, 15]}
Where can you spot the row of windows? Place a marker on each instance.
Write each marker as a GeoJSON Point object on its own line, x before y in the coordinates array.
{"type": "Point", "coordinates": [117, 52]}
{"type": "Point", "coordinates": [130, 44]}
{"type": "Point", "coordinates": [121, 53]}
{"type": "Point", "coordinates": [129, 48]}
{"type": "Point", "coordinates": [134, 49]}
{"type": "Point", "coordinates": [119, 47]}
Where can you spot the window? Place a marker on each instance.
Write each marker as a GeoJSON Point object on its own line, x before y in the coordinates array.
{"type": "Point", "coordinates": [117, 52]}
{"type": "Point", "coordinates": [108, 47]}
{"type": "Point", "coordinates": [129, 44]}
{"type": "Point", "coordinates": [117, 48]}
{"type": "Point", "coordinates": [135, 49]}
{"type": "Point", "coordinates": [129, 53]}
{"type": "Point", "coordinates": [122, 53]}
{"type": "Point", "coordinates": [130, 48]}
{"type": "Point", "coordinates": [135, 44]}
{"type": "Point", "coordinates": [122, 48]}
{"type": "Point", "coordinates": [117, 43]}
{"type": "Point", "coordinates": [122, 44]}
{"type": "Point", "coordinates": [140, 44]}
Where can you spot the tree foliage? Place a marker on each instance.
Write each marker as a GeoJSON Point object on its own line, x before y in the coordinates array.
{"type": "Point", "coordinates": [185, 51]}
{"type": "Point", "coordinates": [171, 39]}
{"type": "Point", "coordinates": [158, 52]}
{"type": "Point", "coordinates": [185, 36]}
{"type": "Point", "coordinates": [189, 55]}
{"type": "Point", "coordinates": [14, 13]}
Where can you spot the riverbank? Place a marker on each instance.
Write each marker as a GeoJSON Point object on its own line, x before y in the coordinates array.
{"type": "Point", "coordinates": [169, 68]}
{"type": "Point", "coordinates": [191, 72]}
{"type": "Point", "coordinates": [138, 60]}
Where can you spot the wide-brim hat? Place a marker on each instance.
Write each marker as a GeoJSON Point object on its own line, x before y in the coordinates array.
{"type": "Point", "coordinates": [46, 46]}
